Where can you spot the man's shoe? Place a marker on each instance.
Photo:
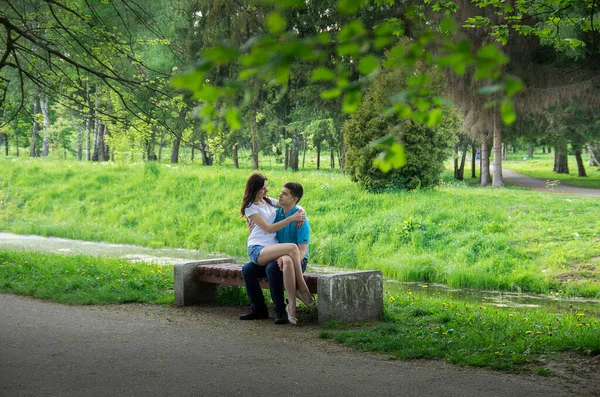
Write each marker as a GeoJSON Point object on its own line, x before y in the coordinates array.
{"type": "Point", "coordinates": [255, 315]}
{"type": "Point", "coordinates": [281, 318]}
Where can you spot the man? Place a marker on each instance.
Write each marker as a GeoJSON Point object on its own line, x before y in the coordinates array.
{"type": "Point", "coordinates": [290, 195]}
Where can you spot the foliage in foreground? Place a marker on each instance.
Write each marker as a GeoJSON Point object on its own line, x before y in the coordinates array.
{"type": "Point", "coordinates": [510, 239]}
{"type": "Point", "coordinates": [84, 280]}
{"type": "Point", "coordinates": [471, 334]}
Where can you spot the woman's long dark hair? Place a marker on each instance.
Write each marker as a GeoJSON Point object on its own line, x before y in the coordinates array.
{"type": "Point", "coordinates": [255, 182]}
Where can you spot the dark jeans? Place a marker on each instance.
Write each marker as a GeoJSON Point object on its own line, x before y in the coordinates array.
{"type": "Point", "coordinates": [251, 272]}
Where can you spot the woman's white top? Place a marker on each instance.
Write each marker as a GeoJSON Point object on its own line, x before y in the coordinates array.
{"type": "Point", "coordinates": [257, 235]}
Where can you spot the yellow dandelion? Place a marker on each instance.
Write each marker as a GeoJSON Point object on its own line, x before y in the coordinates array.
{"type": "Point", "coordinates": [496, 352]}
{"type": "Point", "coordinates": [580, 314]}
{"type": "Point", "coordinates": [549, 332]}
{"type": "Point", "coordinates": [528, 332]}
{"type": "Point", "coordinates": [510, 315]}
{"type": "Point", "coordinates": [392, 299]}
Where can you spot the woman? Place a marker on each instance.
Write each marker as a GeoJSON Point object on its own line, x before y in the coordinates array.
{"type": "Point", "coordinates": [263, 247]}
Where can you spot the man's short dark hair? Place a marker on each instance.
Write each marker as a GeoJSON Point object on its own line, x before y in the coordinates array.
{"type": "Point", "coordinates": [295, 189]}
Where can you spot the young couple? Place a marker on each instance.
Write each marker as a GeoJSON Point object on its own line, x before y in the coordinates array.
{"type": "Point", "coordinates": [277, 247]}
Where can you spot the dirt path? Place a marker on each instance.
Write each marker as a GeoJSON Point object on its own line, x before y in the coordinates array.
{"type": "Point", "coordinates": [514, 178]}
{"type": "Point", "coordinates": [49, 349]}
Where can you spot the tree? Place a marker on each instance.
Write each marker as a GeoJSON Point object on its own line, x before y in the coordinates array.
{"type": "Point", "coordinates": [426, 146]}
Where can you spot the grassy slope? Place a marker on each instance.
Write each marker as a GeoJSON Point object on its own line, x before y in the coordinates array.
{"type": "Point", "coordinates": [510, 239]}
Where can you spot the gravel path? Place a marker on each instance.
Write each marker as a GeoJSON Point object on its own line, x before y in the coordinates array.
{"type": "Point", "coordinates": [49, 349]}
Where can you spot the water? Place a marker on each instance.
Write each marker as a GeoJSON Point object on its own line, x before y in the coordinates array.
{"type": "Point", "coordinates": [170, 256]}
{"type": "Point", "coordinates": [550, 303]}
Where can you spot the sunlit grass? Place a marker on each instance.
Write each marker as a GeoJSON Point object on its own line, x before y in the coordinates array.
{"type": "Point", "coordinates": [510, 239]}
{"type": "Point", "coordinates": [84, 280]}
{"type": "Point", "coordinates": [472, 334]}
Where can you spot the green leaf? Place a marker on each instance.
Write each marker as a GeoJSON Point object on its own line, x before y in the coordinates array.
{"type": "Point", "coordinates": [330, 94]}
{"type": "Point", "coordinates": [348, 49]}
{"type": "Point", "coordinates": [351, 31]}
{"type": "Point", "coordinates": [350, 6]}
{"type": "Point", "coordinates": [490, 89]}
{"type": "Point", "coordinates": [275, 22]}
{"type": "Point", "coordinates": [508, 112]}
{"type": "Point", "coordinates": [233, 119]}
{"type": "Point", "coordinates": [208, 93]}
{"type": "Point", "coordinates": [322, 74]}
{"type": "Point", "coordinates": [435, 117]}
{"type": "Point", "coordinates": [285, 3]}
{"type": "Point", "coordinates": [513, 85]}
{"type": "Point", "coordinates": [221, 54]}
{"type": "Point", "coordinates": [393, 156]}
{"type": "Point", "coordinates": [351, 101]}
{"type": "Point", "coordinates": [192, 81]}
{"type": "Point", "coordinates": [368, 64]}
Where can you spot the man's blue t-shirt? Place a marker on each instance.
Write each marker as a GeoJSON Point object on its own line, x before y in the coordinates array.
{"type": "Point", "coordinates": [290, 233]}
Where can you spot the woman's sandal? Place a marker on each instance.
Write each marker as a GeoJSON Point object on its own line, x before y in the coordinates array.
{"type": "Point", "coordinates": [292, 320]}
{"type": "Point", "coordinates": [313, 305]}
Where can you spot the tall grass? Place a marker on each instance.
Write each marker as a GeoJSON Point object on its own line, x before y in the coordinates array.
{"type": "Point", "coordinates": [510, 239]}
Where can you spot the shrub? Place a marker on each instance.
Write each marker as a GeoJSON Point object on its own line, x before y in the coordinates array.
{"type": "Point", "coordinates": [426, 147]}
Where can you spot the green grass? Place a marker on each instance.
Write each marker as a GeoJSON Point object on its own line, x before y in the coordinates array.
{"type": "Point", "coordinates": [540, 166]}
{"type": "Point", "coordinates": [509, 239]}
{"type": "Point", "coordinates": [84, 280]}
{"type": "Point", "coordinates": [471, 334]}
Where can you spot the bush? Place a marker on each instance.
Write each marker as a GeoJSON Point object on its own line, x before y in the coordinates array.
{"type": "Point", "coordinates": [426, 147]}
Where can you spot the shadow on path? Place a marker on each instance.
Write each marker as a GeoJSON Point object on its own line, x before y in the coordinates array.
{"type": "Point", "coordinates": [514, 178]}
{"type": "Point", "coordinates": [49, 349]}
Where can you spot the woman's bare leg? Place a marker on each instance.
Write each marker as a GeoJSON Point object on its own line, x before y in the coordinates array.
{"type": "Point", "coordinates": [289, 283]}
{"type": "Point", "coordinates": [275, 251]}
{"type": "Point", "coordinates": [302, 291]}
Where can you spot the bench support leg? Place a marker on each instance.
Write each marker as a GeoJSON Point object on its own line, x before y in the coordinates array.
{"type": "Point", "coordinates": [187, 290]}
{"type": "Point", "coordinates": [351, 297]}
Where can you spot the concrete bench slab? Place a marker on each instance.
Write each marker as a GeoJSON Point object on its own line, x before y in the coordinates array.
{"type": "Point", "coordinates": [344, 297]}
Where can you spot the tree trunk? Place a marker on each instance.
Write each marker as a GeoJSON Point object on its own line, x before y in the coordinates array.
{"type": "Point", "coordinates": [484, 165]}
{"type": "Point", "coordinates": [497, 180]}
{"type": "Point", "coordinates": [462, 164]}
{"type": "Point", "coordinates": [294, 150]}
{"type": "Point", "coordinates": [473, 158]}
{"type": "Point", "coordinates": [45, 140]}
{"type": "Point", "coordinates": [561, 160]}
{"type": "Point", "coordinates": [5, 134]}
{"type": "Point", "coordinates": [332, 156]}
{"type": "Point", "coordinates": [544, 149]}
{"type": "Point", "coordinates": [303, 151]}
{"type": "Point", "coordinates": [254, 133]}
{"type": "Point", "coordinates": [580, 166]}
{"type": "Point", "coordinates": [235, 156]}
{"type": "Point", "coordinates": [456, 174]}
{"type": "Point", "coordinates": [530, 151]}
{"type": "Point", "coordinates": [175, 149]}
{"type": "Point", "coordinates": [593, 149]}
{"type": "Point", "coordinates": [319, 155]}
{"type": "Point", "coordinates": [162, 143]}
{"type": "Point", "coordinates": [150, 154]}
{"type": "Point", "coordinates": [207, 158]}
{"type": "Point", "coordinates": [549, 150]}
{"type": "Point", "coordinates": [36, 129]}
{"type": "Point", "coordinates": [101, 156]}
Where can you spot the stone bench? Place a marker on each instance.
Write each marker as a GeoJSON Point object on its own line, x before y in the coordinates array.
{"type": "Point", "coordinates": [344, 297]}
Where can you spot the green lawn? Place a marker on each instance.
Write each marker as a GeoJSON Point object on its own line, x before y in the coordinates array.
{"type": "Point", "coordinates": [508, 239]}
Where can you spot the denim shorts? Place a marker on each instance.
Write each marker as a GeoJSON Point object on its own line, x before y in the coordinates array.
{"type": "Point", "coordinates": [254, 251]}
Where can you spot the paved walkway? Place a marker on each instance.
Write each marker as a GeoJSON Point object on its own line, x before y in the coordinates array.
{"type": "Point", "coordinates": [514, 178]}
{"type": "Point", "coordinates": [49, 349]}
